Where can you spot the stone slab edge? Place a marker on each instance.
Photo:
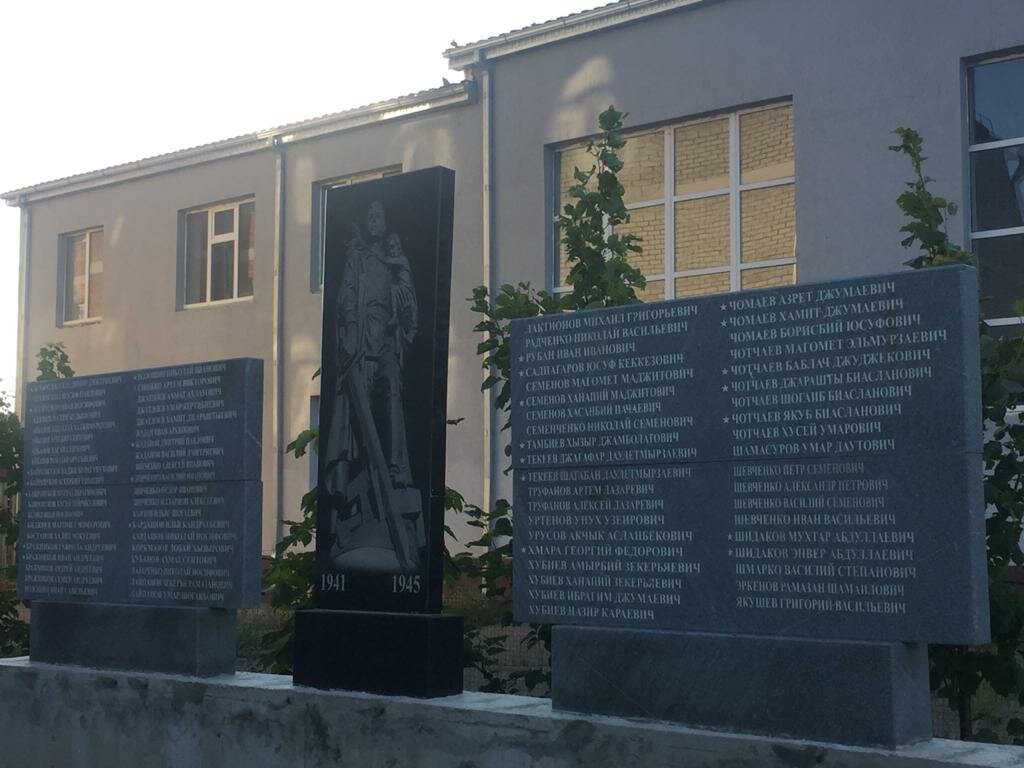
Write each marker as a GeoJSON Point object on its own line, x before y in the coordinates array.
{"type": "Point", "coordinates": [53, 715]}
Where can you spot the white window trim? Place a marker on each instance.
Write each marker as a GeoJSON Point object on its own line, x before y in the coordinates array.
{"type": "Point", "coordinates": [65, 246]}
{"type": "Point", "coordinates": [736, 266]}
{"type": "Point", "coordinates": [211, 240]}
{"type": "Point", "coordinates": [986, 234]}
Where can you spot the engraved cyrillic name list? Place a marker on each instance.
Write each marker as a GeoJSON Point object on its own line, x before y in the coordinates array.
{"type": "Point", "coordinates": [777, 437]}
{"type": "Point", "coordinates": [177, 410]}
{"type": "Point", "coordinates": [181, 544]}
{"type": "Point", "coordinates": [823, 372]}
{"type": "Point", "coordinates": [604, 542]}
{"type": "Point", "coordinates": [135, 486]}
{"type": "Point", "coordinates": [600, 389]}
{"type": "Point", "coordinates": [67, 541]}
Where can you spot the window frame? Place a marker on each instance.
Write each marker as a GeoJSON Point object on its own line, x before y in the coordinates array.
{"type": "Point", "coordinates": [64, 246]}
{"type": "Point", "coordinates": [318, 218]}
{"type": "Point", "coordinates": [669, 199]}
{"type": "Point", "coordinates": [211, 240]}
{"type": "Point", "coordinates": [974, 235]}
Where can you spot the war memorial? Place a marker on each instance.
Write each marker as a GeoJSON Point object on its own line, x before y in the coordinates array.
{"type": "Point", "coordinates": [744, 515]}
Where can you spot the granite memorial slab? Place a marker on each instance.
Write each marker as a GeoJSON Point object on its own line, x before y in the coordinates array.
{"type": "Point", "coordinates": [387, 279]}
{"type": "Point", "coordinates": [381, 453]}
{"type": "Point", "coordinates": [801, 461]}
{"type": "Point", "coordinates": [143, 487]}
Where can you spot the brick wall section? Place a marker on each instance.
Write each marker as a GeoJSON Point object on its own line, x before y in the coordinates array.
{"type": "Point", "coordinates": [766, 145]}
{"type": "Point", "coordinates": [767, 277]}
{"type": "Point", "coordinates": [643, 175]}
{"type": "Point", "coordinates": [700, 285]}
{"type": "Point", "coordinates": [702, 156]}
{"type": "Point", "coordinates": [702, 227]}
{"type": "Point", "coordinates": [653, 291]}
{"type": "Point", "coordinates": [767, 227]}
{"type": "Point", "coordinates": [702, 233]}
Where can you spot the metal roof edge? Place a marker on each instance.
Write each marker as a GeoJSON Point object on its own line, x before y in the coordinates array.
{"type": "Point", "coordinates": [392, 109]}
{"type": "Point", "coordinates": [576, 24]}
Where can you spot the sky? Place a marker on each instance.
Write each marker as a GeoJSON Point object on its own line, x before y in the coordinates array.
{"type": "Point", "coordinates": [92, 84]}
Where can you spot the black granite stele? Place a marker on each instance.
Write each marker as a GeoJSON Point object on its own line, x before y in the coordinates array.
{"type": "Point", "coordinates": [172, 640]}
{"type": "Point", "coordinates": [143, 487]}
{"type": "Point", "coordinates": [380, 517]}
{"type": "Point", "coordinates": [850, 692]}
{"type": "Point", "coordinates": [383, 396]}
{"type": "Point", "coordinates": [403, 654]}
{"type": "Point", "coordinates": [800, 461]}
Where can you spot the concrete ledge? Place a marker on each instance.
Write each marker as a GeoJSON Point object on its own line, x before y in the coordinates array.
{"type": "Point", "coordinates": [70, 716]}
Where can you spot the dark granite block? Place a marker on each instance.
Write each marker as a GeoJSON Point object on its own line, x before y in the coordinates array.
{"type": "Point", "coordinates": [186, 544]}
{"type": "Point", "coordinates": [172, 640]}
{"type": "Point", "coordinates": [387, 281]}
{"type": "Point", "coordinates": [878, 366]}
{"type": "Point", "coordinates": [798, 461]}
{"type": "Point", "coordinates": [849, 550]}
{"type": "Point", "coordinates": [848, 692]}
{"type": "Point", "coordinates": [392, 653]}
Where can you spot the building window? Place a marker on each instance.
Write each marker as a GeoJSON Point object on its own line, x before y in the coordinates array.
{"type": "Point", "coordinates": [82, 275]}
{"type": "Point", "coordinates": [220, 252]}
{"type": "Point", "coordinates": [996, 154]}
{"type": "Point", "coordinates": [320, 189]}
{"type": "Point", "coordinates": [712, 198]}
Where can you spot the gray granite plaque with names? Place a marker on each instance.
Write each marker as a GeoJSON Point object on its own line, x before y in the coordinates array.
{"type": "Point", "coordinates": [143, 487]}
{"type": "Point", "coordinates": [800, 461]}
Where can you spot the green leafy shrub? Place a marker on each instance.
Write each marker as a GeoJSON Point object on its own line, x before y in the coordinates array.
{"type": "Point", "coordinates": [958, 672]}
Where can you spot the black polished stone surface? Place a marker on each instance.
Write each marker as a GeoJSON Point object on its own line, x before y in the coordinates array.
{"type": "Point", "coordinates": [863, 693]}
{"type": "Point", "coordinates": [172, 640]}
{"type": "Point", "coordinates": [392, 653]}
{"type": "Point", "coordinates": [143, 487]}
{"type": "Point", "coordinates": [383, 399]}
{"type": "Point", "coordinates": [797, 461]}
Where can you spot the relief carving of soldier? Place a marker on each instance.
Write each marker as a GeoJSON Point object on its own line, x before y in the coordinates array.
{"type": "Point", "coordinates": [376, 512]}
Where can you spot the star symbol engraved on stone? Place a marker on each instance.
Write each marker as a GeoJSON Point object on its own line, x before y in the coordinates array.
{"type": "Point", "coordinates": [520, 358]}
{"type": "Point", "coordinates": [725, 371]}
{"type": "Point", "coordinates": [522, 445]}
{"type": "Point", "coordinates": [723, 307]}
{"type": "Point", "coordinates": [730, 537]}
{"type": "Point", "coordinates": [521, 402]}
{"type": "Point", "coordinates": [725, 388]}
{"type": "Point", "coordinates": [725, 419]}
{"type": "Point", "coordinates": [724, 323]}
{"type": "Point", "coordinates": [730, 553]}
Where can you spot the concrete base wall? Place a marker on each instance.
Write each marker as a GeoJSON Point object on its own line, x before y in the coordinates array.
{"type": "Point", "coordinates": [70, 717]}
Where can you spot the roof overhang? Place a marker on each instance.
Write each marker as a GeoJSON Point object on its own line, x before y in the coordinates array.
{"type": "Point", "coordinates": [586, 22]}
{"type": "Point", "coordinates": [393, 109]}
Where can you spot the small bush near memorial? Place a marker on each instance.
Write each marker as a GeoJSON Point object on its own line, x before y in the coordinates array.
{"type": "Point", "coordinates": [52, 363]}
{"type": "Point", "coordinates": [600, 275]}
{"type": "Point", "coordinates": [960, 673]}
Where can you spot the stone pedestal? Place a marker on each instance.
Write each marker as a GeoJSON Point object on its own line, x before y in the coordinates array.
{"type": "Point", "coordinates": [183, 641]}
{"type": "Point", "coordinates": [405, 654]}
{"type": "Point", "coordinates": [862, 693]}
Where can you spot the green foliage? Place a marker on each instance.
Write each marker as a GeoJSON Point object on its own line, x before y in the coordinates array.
{"type": "Point", "coordinates": [13, 631]}
{"type": "Point", "coordinates": [289, 579]}
{"type": "Point", "coordinates": [600, 275]}
{"type": "Point", "coordinates": [52, 363]}
{"type": "Point", "coordinates": [957, 672]}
